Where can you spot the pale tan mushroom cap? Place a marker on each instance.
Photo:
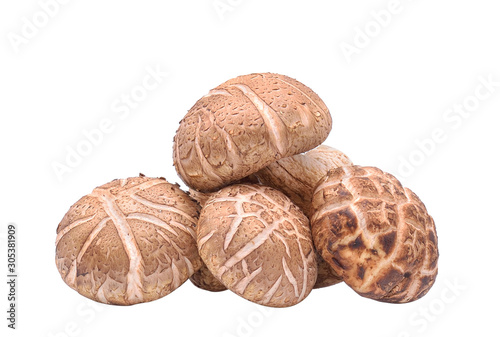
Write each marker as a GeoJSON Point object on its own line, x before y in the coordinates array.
{"type": "Point", "coordinates": [244, 125]}
{"type": "Point", "coordinates": [258, 244]}
{"type": "Point", "coordinates": [297, 176]}
{"type": "Point", "coordinates": [129, 241]}
{"type": "Point", "coordinates": [375, 233]}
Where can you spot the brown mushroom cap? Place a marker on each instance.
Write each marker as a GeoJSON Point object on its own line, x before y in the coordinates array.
{"type": "Point", "coordinates": [258, 244]}
{"type": "Point", "coordinates": [129, 241]}
{"type": "Point", "coordinates": [244, 125]}
{"type": "Point", "coordinates": [204, 279]}
{"type": "Point", "coordinates": [375, 233]}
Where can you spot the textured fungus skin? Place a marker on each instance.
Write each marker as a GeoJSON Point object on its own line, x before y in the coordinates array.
{"type": "Point", "coordinates": [244, 125]}
{"type": "Point", "coordinates": [129, 241]}
{"type": "Point", "coordinates": [327, 276]}
{"type": "Point", "coordinates": [258, 244]}
{"type": "Point", "coordinates": [204, 279]}
{"type": "Point", "coordinates": [375, 233]}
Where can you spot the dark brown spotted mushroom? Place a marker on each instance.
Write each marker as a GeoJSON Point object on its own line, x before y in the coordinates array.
{"type": "Point", "coordinates": [375, 233]}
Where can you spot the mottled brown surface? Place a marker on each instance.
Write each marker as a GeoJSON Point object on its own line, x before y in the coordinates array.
{"type": "Point", "coordinates": [327, 276]}
{"type": "Point", "coordinates": [204, 279]}
{"type": "Point", "coordinates": [244, 125]}
{"type": "Point", "coordinates": [129, 241]}
{"type": "Point", "coordinates": [375, 233]}
{"type": "Point", "coordinates": [258, 244]}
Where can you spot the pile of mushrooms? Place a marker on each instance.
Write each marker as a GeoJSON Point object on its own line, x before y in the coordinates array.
{"type": "Point", "coordinates": [270, 213]}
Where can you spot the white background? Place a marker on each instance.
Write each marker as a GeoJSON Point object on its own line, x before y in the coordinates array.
{"type": "Point", "coordinates": [395, 91]}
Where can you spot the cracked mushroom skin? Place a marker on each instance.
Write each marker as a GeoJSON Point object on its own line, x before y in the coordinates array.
{"type": "Point", "coordinates": [258, 244]}
{"type": "Point", "coordinates": [129, 241]}
{"type": "Point", "coordinates": [375, 233]}
{"type": "Point", "coordinates": [244, 125]}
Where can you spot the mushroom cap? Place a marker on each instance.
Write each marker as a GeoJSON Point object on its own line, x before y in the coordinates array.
{"type": "Point", "coordinates": [258, 244]}
{"type": "Point", "coordinates": [129, 241]}
{"type": "Point", "coordinates": [376, 234]}
{"type": "Point", "coordinates": [244, 125]}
